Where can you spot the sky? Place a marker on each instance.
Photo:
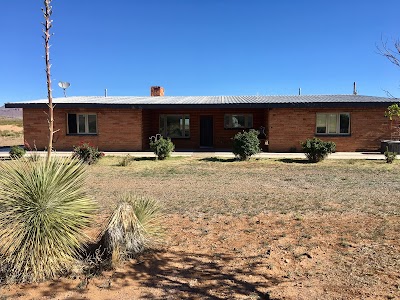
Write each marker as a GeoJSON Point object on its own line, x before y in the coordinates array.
{"type": "Point", "coordinates": [199, 47]}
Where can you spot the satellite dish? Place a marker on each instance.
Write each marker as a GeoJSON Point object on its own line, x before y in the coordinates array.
{"type": "Point", "coordinates": [64, 86]}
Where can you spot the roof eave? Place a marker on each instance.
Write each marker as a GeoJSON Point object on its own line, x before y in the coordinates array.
{"type": "Point", "coordinates": [202, 106]}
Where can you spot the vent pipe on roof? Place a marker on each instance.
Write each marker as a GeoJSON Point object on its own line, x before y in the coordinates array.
{"type": "Point", "coordinates": [105, 92]}
{"type": "Point", "coordinates": [355, 88]}
{"type": "Point", "coordinates": [299, 91]}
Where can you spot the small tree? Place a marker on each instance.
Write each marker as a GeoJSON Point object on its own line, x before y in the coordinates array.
{"type": "Point", "coordinates": [393, 113]}
{"type": "Point", "coordinates": [317, 150]}
{"type": "Point", "coordinates": [246, 144]}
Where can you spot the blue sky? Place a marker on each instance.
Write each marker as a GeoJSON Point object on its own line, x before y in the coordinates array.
{"type": "Point", "coordinates": [207, 47]}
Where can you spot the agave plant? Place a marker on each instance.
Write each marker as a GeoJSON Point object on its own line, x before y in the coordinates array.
{"type": "Point", "coordinates": [44, 210]}
{"type": "Point", "coordinates": [134, 226]}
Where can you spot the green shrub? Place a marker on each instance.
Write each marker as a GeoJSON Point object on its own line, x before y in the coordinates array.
{"type": "Point", "coordinates": [392, 112]}
{"type": "Point", "coordinates": [390, 156]}
{"type": "Point", "coordinates": [161, 147]}
{"type": "Point", "coordinates": [9, 133]}
{"type": "Point", "coordinates": [44, 210]}
{"type": "Point", "coordinates": [134, 226]}
{"type": "Point", "coordinates": [246, 144]}
{"type": "Point", "coordinates": [316, 150]}
{"type": "Point", "coordinates": [87, 153]}
{"type": "Point", "coordinates": [17, 152]}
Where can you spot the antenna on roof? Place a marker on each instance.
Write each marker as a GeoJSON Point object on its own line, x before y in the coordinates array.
{"type": "Point", "coordinates": [64, 86]}
{"type": "Point", "coordinates": [299, 91]}
{"type": "Point", "coordinates": [105, 92]}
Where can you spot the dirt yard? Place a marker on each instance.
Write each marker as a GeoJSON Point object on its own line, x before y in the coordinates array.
{"type": "Point", "coordinates": [262, 229]}
{"type": "Point", "coordinates": [11, 132]}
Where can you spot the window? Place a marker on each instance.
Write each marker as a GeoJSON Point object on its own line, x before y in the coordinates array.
{"type": "Point", "coordinates": [238, 121]}
{"type": "Point", "coordinates": [175, 126]}
{"type": "Point", "coordinates": [82, 124]}
{"type": "Point", "coordinates": [333, 123]}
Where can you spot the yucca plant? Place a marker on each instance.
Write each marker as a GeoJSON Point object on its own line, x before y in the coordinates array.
{"type": "Point", "coordinates": [44, 210]}
{"type": "Point", "coordinates": [134, 226]}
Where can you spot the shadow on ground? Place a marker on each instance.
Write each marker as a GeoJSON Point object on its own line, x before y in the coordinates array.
{"type": "Point", "coordinates": [184, 275]}
{"type": "Point", "coordinates": [144, 159]}
{"type": "Point", "coordinates": [217, 159]}
{"type": "Point", "coordinates": [293, 160]}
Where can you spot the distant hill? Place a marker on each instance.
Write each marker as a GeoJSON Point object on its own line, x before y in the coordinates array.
{"type": "Point", "coordinates": [14, 113]}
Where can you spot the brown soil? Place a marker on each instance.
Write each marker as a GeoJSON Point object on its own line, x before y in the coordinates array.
{"type": "Point", "coordinates": [11, 141]}
{"type": "Point", "coordinates": [333, 234]}
{"type": "Point", "coordinates": [11, 128]}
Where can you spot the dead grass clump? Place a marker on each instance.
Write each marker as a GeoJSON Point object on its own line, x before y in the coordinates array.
{"type": "Point", "coordinates": [125, 161]}
{"type": "Point", "coordinates": [133, 227]}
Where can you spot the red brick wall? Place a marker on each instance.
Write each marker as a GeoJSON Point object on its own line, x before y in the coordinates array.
{"type": "Point", "coordinates": [222, 137]}
{"type": "Point", "coordinates": [129, 129]}
{"type": "Point", "coordinates": [148, 120]}
{"type": "Point", "coordinates": [118, 129]}
{"type": "Point", "coordinates": [288, 127]}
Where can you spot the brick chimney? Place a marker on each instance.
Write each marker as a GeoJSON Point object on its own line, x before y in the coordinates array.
{"type": "Point", "coordinates": [156, 91]}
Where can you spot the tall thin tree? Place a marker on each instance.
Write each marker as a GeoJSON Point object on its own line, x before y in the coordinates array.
{"type": "Point", "coordinates": [47, 11]}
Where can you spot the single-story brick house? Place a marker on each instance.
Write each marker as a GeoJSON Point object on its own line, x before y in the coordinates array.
{"type": "Point", "coordinates": [114, 123]}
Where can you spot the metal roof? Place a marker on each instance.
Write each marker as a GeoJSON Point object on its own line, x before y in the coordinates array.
{"type": "Point", "coordinates": [209, 101]}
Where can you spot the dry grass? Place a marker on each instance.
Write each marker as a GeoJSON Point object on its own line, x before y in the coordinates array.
{"type": "Point", "coordinates": [11, 121]}
{"type": "Point", "coordinates": [194, 186]}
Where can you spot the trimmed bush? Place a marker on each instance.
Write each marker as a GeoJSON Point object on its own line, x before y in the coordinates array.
{"type": "Point", "coordinates": [87, 153]}
{"type": "Point", "coordinates": [161, 147]}
{"type": "Point", "coordinates": [17, 152]}
{"type": "Point", "coordinates": [390, 156]}
{"type": "Point", "coordinates": [246, 144]}
{"type": "Point", "coordinates": [44, 210]}
{"type": "Point", "coordinates": [317, 150]}
{"type": "Point", "coordinates": [134, 226]}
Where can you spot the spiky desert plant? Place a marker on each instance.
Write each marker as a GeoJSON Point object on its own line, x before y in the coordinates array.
{"type": "Point", "coordinates": [133, 226]}
{"type": "Point", "coordinates": [44, 210]}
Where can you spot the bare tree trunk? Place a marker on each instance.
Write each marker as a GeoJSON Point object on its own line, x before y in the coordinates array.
{"type": "Point", "coordinates": [47, 11]}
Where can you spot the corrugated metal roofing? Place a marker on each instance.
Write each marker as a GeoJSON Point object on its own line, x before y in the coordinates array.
{"type": "Point", "coordinates": [210, 100]}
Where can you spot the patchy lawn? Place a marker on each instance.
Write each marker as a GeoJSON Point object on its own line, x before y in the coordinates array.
{"type": "Point", "coordinates": [262, 229]}
{"type": "Point", "coordinates": [209, 186]}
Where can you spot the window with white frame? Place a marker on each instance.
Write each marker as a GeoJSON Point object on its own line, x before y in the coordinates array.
{"type": "Point", "coordinates": [333, 123]}
{"type": "Point", "coordinates": [82, 123]}
{"type": "Point", "coordinates": [238, 121]}
{"type": "Point", "coordinates": [175, 126]}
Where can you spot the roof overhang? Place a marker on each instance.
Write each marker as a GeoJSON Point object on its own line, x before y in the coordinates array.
{"type": "Point", "coordinates": [202, 106]}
